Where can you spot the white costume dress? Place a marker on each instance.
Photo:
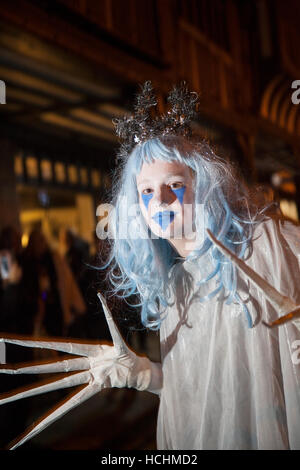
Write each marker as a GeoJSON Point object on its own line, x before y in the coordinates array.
{"type": "Point", "coordinates": [226, 386]}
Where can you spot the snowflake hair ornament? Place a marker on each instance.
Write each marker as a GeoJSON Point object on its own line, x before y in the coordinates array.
{"type": "Point", "coordinates": [142, 125]}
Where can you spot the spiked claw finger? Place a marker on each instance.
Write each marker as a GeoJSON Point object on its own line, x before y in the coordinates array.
{"type": "Point", "coordinates": [284, 319]}
{"type": "Point", "coordinates": [44, 387]}
{"type": "Point", "coordinates": [118, 341]}
{"type": "Point", "coordinates": [68, 365]}
{"type": "Point", "coordinates": [281, 303]}
{"type": "Point", "coordinates": [80, 349]}
{"type": "Point", "coordinates": [66, 405]}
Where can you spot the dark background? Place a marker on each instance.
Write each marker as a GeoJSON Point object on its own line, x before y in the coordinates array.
{"type": "Point", "coordinates": [70, 66]}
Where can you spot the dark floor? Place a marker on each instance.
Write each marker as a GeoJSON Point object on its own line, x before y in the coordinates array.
{"type": "Point", "coordinates": [114, 419]}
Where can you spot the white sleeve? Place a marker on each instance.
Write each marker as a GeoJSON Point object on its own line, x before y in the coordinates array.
{"type": "Point", "coordinates": [142, 374]}
{"type": "Point", "coordinates": [156, 381]}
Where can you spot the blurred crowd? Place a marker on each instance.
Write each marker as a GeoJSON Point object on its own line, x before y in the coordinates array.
{"type": "Point", "coordinates": [42, 294]}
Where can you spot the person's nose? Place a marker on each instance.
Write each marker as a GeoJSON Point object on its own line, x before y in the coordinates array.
{"type": "Point", "coordinates": [164, 196]}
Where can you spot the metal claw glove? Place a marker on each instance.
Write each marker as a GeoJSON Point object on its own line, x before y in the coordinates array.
{"type": "Point", "coordinates": [99, 366]}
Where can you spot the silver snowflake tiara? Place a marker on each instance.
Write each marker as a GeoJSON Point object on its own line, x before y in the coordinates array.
{"type": "Point", "coordinates": [145, 123]}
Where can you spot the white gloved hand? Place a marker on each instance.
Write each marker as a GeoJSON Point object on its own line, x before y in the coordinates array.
{"type": "Point", "coordinates": [98, 366]}
{"type": "Point", "coordinates": [125, 367]}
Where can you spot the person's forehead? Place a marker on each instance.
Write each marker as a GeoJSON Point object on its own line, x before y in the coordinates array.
{"type": "Point", "coordinates": [160, 169]}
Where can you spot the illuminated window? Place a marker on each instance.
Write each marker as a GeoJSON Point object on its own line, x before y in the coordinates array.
{"type": "Point", "coordinates": [46, 170]}
{"type": "Point", "coordinates": [32, 167]}
{"type": "Point", "coordinates": [72, 174]}
{"type": "Point", "coordinates": [18, 165]}
{"type": "Point", "coordinates": [60, 174]}
{"type": "Point", "coordinates": [84, 176]}
{"type": "Point", "coordinates": [95, 175]}
{"type": "Point", "coordinates": [25, 239]}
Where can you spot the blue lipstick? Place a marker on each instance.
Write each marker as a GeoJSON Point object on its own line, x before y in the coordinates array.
{"type": "Point", "coordinates": [164, 218]}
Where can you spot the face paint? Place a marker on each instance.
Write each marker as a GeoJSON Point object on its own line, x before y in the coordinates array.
{"type": "Point", "coordinates": [146, 199]}
{"type": "Point", "coordinates": [166, 187]}
{"type": "Point", "coordinates": [164, 218]}
{"type": "Point", "coordinates": [179, 193]}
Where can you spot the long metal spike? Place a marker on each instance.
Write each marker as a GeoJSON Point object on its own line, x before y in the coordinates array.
{"type": "Point", "coordinates": [79, 349]}
{"type": "Point", "coordinates": [67, 365]}
{"type": "Point", "coordinates": [63, 407]}
{"type": "Point", "coordinates": [44, 387]}
{"type": "Point", "coordinates": [284, 319]}
{"type": "Point", "coordinates": [118, 341]}
{"type": "Point", "coordinates": [280, 302]}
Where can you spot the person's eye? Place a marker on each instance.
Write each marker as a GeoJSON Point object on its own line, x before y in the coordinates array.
{"type": "Point", "coordinates": [177, 185]}
{"type": "Point", "coordinates": [147, 191]}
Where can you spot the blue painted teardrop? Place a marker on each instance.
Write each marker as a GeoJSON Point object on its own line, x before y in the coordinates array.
{"type": "Point", "coordinates": [146, 199]}
{"type": "Point", "coordinates": [179, 193]}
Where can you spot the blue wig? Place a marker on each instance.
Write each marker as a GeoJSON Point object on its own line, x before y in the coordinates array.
{"type": "Point", "coordinates": [142, 265]}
